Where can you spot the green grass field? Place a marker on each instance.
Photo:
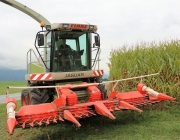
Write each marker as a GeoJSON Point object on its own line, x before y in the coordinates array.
{"type": "Point", "coordinates": [128, 125]}
{"type": "Point", "coordinates": [4, 85]}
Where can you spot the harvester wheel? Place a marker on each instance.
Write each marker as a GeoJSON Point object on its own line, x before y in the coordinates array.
{"type": "Point", "coordinates": [38, 96]}
{"type": "Point", "coordinates": [101, 87]}
{"type": "Point", "coordinates": [24, 97]}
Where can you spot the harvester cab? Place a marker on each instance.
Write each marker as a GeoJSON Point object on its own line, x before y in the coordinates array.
{"type": "Point", "coordinates": [64, 82]}
{"type": "Point", "coordinates": [67, 52]}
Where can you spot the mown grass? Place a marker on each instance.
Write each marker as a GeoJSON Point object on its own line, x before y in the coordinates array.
{"type": "Point", "coordinates": [4, 85]}
{"type": "Point", "coordinates": [147, 58]}
{"type": "Point", "coordinates": [128, 125]}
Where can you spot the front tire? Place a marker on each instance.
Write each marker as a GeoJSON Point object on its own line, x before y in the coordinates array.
{"type": "Point", "coordinates": [101, 87]}
{"type": "Point", "coordinates": [39, 96]}
{"type": "Point", "coordinates": [24, 97]}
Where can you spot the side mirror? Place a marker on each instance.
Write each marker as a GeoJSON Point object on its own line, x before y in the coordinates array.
{"type": "Point", "coordinates": [40, 39]}
{"type": "Point", "coordinates": [97, 41]}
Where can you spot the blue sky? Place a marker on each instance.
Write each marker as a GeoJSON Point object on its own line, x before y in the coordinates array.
{"type": "Point", "coordinates": [119, 22]}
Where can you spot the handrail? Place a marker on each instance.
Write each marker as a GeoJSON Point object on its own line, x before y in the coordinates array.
{"type": "Point", "coordinates": [96, 60]}
{"type": "Point", "coordinates": [28, 62]}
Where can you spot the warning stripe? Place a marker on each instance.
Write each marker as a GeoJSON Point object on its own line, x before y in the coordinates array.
{"type": "Point", "coordinates": [48, 77]}
{"type": "Point", "coordinates": [98, 72]}
{"type": "Point", "coordinates": [42, 76]}
{"type": "Point", "coordinates": [32, 76]}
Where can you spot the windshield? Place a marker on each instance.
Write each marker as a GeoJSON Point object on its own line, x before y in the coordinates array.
{"type": "Point", "coordinates": [69, 51]}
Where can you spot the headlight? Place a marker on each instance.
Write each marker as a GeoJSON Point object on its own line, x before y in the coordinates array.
{"type": "Point", "coordinates": [48, 27]}
{"type": "Point", "coordinates": [91, 27]}
{"type": "Point", "coordinates": [65, 25]}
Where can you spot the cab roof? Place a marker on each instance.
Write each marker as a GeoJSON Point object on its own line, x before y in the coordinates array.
{"type": "Point", "coordinates": [74, 26]}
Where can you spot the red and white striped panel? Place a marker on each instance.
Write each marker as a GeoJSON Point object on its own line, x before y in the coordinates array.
{"type": "Point", "coordinates": [42, 77]}
{"type": "Point", "coordinates": [98, 72]}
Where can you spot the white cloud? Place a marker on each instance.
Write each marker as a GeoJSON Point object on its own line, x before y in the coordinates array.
{"type": "Point", "coordinates": [119, 22]}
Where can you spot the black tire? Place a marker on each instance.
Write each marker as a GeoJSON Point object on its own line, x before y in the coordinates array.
{"type": "Point", "coordinates": [24, 97]}
{"type": "Point", "coordinates": [101, 87]}
{"type": "Point", "coordinates": [39, 96]}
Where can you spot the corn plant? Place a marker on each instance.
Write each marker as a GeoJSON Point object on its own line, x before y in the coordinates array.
{"type": "Point", "coordinates": [147, 58]}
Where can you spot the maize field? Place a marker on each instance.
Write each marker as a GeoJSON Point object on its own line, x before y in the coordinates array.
{"type": "Point", "coordinates": [147, 58]}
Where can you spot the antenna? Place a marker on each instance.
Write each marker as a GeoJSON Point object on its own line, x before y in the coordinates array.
{"type": "Point", "coordinates": [87, 22]}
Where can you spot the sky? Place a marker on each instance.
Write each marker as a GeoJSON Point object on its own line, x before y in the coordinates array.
{"type": "Point", "coordinates": [119, 22]}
